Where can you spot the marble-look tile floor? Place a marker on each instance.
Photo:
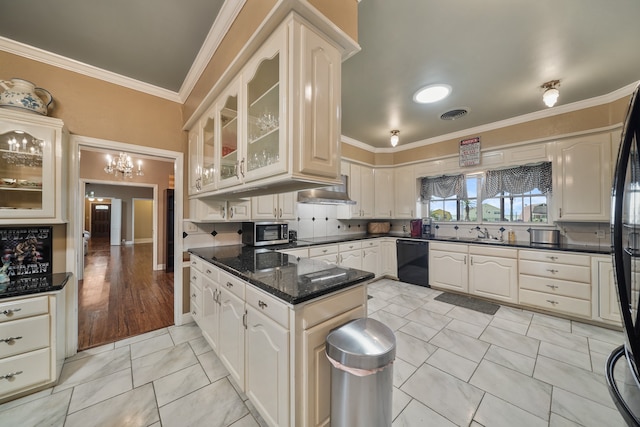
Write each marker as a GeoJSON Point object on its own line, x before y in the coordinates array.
{"type": "Point", "coordinates": [454, 367]}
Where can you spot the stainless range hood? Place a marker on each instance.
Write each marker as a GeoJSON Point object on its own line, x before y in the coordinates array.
{"type": "Point", "coordinates": [334, 195]}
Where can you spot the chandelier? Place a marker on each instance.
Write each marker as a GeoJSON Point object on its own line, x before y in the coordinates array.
{"type": "Point", "coordinates": [123, 165]}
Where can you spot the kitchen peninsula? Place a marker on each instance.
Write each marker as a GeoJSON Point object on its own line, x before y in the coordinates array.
{"type": "Point", "coordinates": [266, 314]}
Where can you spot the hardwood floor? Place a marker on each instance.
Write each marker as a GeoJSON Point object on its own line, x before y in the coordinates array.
{"type": "Point", "coordinates": [121, 296]}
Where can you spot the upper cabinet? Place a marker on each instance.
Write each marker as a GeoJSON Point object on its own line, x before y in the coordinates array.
{"type": "Point", "coordinates": [31, 170]}
{"type": "Point", "coordinates": [276, 126]}
{"type": "Point", "coordinates": [582, 179]}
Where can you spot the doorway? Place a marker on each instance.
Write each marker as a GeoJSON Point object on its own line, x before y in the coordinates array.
{"type": "Point", "coordinates": [124, 290]}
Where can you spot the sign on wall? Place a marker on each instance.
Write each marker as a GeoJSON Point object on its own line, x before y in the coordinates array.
{"type": "Point", "coordinates": [25, 251]}
{"type": "Point", "coordinates": [470, 151]}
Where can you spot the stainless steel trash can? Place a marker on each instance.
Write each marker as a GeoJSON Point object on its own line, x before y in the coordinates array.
{"type": "Point", "coordinates": [362, 354]}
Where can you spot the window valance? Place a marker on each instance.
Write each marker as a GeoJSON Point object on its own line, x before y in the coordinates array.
{"type": "Point", "coordinates": [518, 180]}
{"type": "Point", "coordinates": [443, 187]}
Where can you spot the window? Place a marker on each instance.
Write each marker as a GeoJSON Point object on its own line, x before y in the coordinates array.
{"type": "Point", "coordinates": [516, 194]}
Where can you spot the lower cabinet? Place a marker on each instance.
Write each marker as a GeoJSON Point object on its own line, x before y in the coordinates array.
{"type": "Point", "coordinates": [388, 257]}
{"type": "Point", "coordinates": [493, 273]}
{"type": "Point", "coordinates": [32, 343]}
{"type": "Point", "coordinates": [273, 350]}
{"type": "Point", "coordinates": [448, 266]}
{"type": "Point", "coordinates": [606, 307]}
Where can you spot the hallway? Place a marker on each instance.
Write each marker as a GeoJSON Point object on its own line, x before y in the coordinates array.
{"type": "Point", "coordinates": [121, 296]}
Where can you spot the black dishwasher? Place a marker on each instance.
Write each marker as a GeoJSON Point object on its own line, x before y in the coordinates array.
{"type": "Point", "coordinates": [413, 262]}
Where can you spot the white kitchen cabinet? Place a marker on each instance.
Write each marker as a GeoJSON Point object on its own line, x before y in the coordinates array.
{"type": "Point", "coordinates": [606, 307]}
{"type": "Point", "coordinates": [278, 121]}
{"type": "Point", "coordinates": [405, 194]}
{"type": "Point", "coordinates": [383, 193]}
{"type": "Point", "coordinates": [350, 254]}
{"type": "Point", "coordinates": [210, 312]}
{"type": "Point", "coordinates": [32, 169]}
{"type": "Point", "coordinates": [298, 253]}
{"type": "Point", "coordinates": [195, 289]}
{"type": "Point", "coordinates": [212, 210]}
{"type": "Point", "coordinates": [493, 273]}
{"type": "Point", "coordinates": [371, 256]}
{"type": "Point", "coordinates": [32, 354]}
{"type": "Point", "coordinates": [231, 339]}
{"type": "Point", "coordinates": [389, 257]}
{"type": "Point", "coordinates": [582, 179]}
{"type": "Point", "coordinates": [195, 161]}
{"type": "Point", "coordinates": [361, 191]}
{"type": "Point", "coordinates": [448, 267]}
{"type": "Point", "coordinates": [274, 206]}
{"type": "Point", "coordinates": [328, 253]}
{"type": "Point", "coordinates": [555, 281]}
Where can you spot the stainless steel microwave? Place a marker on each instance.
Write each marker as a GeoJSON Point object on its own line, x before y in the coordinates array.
{"type": "Point", "coordinates": [265, 233]}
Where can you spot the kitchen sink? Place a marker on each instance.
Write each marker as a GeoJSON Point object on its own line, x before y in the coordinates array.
{"type": "Point", "coordinates": [477, 240]}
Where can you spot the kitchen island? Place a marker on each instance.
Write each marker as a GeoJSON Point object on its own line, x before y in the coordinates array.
{"type": "Point", "coordinates": [266, 314]}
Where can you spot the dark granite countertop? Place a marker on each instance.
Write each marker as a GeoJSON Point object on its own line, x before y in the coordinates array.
{"type": "Point", "coordinates": [303, 243]}
{"type": "Point", "coordinates": [284, 276]}
{"type": "Point", "coordinates": [35, 284]}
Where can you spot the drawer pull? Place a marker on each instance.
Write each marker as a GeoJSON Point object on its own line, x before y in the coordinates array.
{"type": "Point", "coordinates": [552, 302]}
{"type": "Point", "coordinates": [208, 271]}
{"type": "Point", "coordinates": [10, 375]}
{"type": "Point", "coordinates": [324, 251]}
{"type": "Point", "coordinates": [229, 285]}
{"type": "Point", "coordinates": [552, 271]}
{"type": "Point", "coordinates": [194, 263]}
{"type": "Point", "coordinates": [552, 258]}
{"type": "Point", "coordinates": [193, 295]}
{"type": "Point", "coordinates": [10, 311]}
{"type": "Point", "coordinates": [194, 313]}
{"type": "Point", "coordinates": [10, 340]}
{"type": "Point", "coordinates": [194, 277]}
{"type": "Point", "coordinates": [553, 286]}
{"type": "Point", "coordinates": [262, 304]}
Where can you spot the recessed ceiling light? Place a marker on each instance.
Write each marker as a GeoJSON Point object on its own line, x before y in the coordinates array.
{"type": "Point", "coordinates": [432, 93]}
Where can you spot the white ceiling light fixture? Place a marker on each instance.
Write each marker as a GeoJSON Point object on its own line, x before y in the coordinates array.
{"type": "Point", "coordinates": [432, 93]}
{"type": "Point", "coordinates": [551, 93]}
{"type": "Point", "coordinates": [394, 137]}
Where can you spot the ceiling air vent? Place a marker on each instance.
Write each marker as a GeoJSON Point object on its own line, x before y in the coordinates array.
{"type": "Point", "coordinates": [454, 114]}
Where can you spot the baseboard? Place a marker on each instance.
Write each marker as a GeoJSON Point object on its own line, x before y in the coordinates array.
{"type": "Point", "coordinates": [187, 318]}
{"type": "Point", "coordinates": [145, 240]}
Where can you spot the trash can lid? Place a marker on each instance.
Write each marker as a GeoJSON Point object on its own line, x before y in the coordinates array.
{"type": "Point", "coordinates": [362, 343]}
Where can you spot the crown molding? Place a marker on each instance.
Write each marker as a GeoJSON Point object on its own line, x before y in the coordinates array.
{"type": "Point", "coordinates": [60, 61]}
{"type": "Point", "coordinates": [562, 109]}
{"type": "Point", "coordinates": [226, 16]}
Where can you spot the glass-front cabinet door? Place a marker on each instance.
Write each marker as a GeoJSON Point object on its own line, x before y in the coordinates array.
{"type": "Point", "coordinates": [209, 152]}
{"type": "Point", "coordinates": [195, 167]}
{"type": "Point", "coordinates": [231, 166]}
{"type": "Point", "coordinates": [28, 184]}
{"type": "Point", "coordinates": [265, 92]}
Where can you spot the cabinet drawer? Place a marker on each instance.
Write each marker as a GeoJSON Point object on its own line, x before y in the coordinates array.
{"type": "Point", "coordinates": [554, 257]}
{"type": "Point", "coordinates": [322, 251]}
{"type": "Point", "coordinates": [574, 273]}
{"type": "Point", "coordinates": [195, 279]}
{"type": "Point", "coordinates": [319, 311]}
{"type": "Point", "coordinates": [490, 251]}
{"type": "Point", "coordinates": [559, 303]}
{"type": "Point", "coordinates": [19, 309]}
{"type": "Point", "coordinates": [29, 334]}
{"type": "Point", "coordinates": [34, 368]}
{"type": "Point", "coordinates": [343, 247]}
{"type": "Point", "coordinates": [196, 262]}
{"type": "Point", "coordinates": [448, 247]}
{"type": "Point", "coordinates": [196, 312]}
{"type": "Point", "coordinates": [232, 284]}
{"type": "Point", "coordinates": [372, 243]}
{"type": "Point", "coordinates": [195, 292]}
{"type": "Point", "coordinates": [268, 305]}
{"type": "Point", "coordinates": [556, 287]}
{"type": "Point", "coordinates": [210, 271]}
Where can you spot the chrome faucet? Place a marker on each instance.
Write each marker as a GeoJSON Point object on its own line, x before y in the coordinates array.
{"type": "Point", "coordinates": [482, 234]}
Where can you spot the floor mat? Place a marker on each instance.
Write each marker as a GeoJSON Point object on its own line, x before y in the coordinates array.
{"type": "Point", "coordinates": [468, 302]}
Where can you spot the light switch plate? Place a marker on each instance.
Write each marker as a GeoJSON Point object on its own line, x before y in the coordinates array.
{"type": "Point", "coordinates": [600, 234]}
{"type": "Point", "coordinates": [190, 227]}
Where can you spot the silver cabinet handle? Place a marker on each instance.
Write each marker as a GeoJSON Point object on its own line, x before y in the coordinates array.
{"type": "Point", "coordinates": [275, 213]}
{"type": "Point", "coordinates": [10, 375]}
{"type": "Point", "coordinates": [223, 211]}
{"type": "Point", "coordinates": [230, 212]}
{"type": "Point", "coordinates": [194, 263]}
{"type": "Point", "coordinates": [552, 258]}
{"type": "Point", "coordinates": [465, 260]}
{"type": "Point", "coordinates": [262, 304]}
{"type": "Point", "coordinates": [324, 251]}
{"type": "Point", "coordinates": [193, 313]}
{"type": "Point", "coordinates": [244, 319]}
{"type": "Point", "coordinates": [10, 339]}
{"type": "Point", "coordinates": [10, 311]}
{"type": "Point", "coordinates": [471, 260]}
{"type": "Point", "coordinates": [229, 285]}
{"type": "Point", "coordinates": [242, 167]}
{"type": "Point", "coordinates": [208, 271]}
{"type": "Point", "coordinates": [194, 277]}
{"type": "Point", "coordinates": [552, 302]}
{"type": "Point", "coordinates": [553, 286]}
{"type": "Point", "coordinates": [193, 295]}
{"type": "Point", "coordinates": [238, 169]}
{"type": "Point", "coordinates": [280, 216]}
{"type": "Point", "coordinates": [552, 271]}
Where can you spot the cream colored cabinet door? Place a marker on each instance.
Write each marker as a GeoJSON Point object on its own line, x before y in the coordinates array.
{"type": "Point", "coordinates": [195, 161]}
{"type": "Point", "coordinates": [371, 257]}
{"type": "Point", "coordinates": [287, 205]}
{"type": "Point", "coordinates": [494, 274]}
{"type": "Point", "coordinates": [389, 263]}
{"type": "Point", "coordinates": [210, 316]}
{"type": "Point", "coordinates": [239, 210]}
{"type": "Point", "coordinates": [231, 335]}
{"type": "Point", "coordinates": [405, 194]}
{"type": "Point", "coordinates": [449, 270]}
{"type": "Point", "coordinates": [209, 147]}
{"type": "Point", "coordinates": [318, 369]}
{"type": "Point", "coordinates": [351, 259]}
{"type": "Point", "coordinates": [383, 197]}
{"type": "Point", "coordinates": [274, 206]}
{"type": "Point", "coordinates": [366, 192]}
{"type": "Point", "coordinates": [268, 367]}
{"type": "Point", "coordinates": [208, 210]}
{"type": "Point", "coordinates": [605, 293]}
{"type": "Point", "coordinates": [582, 172]}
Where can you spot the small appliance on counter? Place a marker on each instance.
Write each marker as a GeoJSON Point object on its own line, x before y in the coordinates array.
{"type": "Point", "coordinates": [416, 228]}
{"type": "Point", "coordinates": [293, 236]}
{"type": "Point", "coordinates": [426, 228]}
{"type": "Point", "coordinates": [544, 237]}
{"type": "Point", "coordinates": [265, 233]}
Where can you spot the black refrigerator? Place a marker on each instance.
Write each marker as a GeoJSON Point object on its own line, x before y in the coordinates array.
{"type": "Point", "coordinates": [622, 368]}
